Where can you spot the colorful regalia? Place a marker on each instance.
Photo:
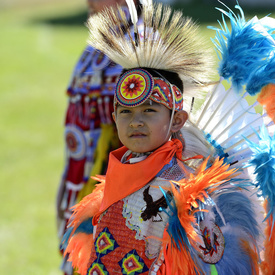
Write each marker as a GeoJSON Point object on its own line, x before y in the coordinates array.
{"type": "Point", "coordinates": [132, 214]}
{"type": "Point", "coordinates": [190, 206]}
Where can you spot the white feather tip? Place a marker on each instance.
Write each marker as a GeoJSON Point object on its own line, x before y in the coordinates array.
{"type": "Point", "coordinates": [133, 11]}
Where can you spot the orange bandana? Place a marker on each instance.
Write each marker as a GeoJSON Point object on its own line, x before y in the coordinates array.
{"type": "Point", "coordinates": [125, 179]}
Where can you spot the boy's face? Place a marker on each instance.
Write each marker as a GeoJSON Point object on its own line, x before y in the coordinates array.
{"type": "Point", "coordinates": [143, 128]}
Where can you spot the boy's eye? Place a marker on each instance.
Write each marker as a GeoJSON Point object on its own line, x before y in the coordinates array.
{"type": "Point", "coordinates": [149, 110]}
{"type": "Point", "coordinates": [125, 111]}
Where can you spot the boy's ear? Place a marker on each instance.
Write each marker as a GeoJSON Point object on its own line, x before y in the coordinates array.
{"type": "Point", "coordinates": [179, 119]}
{"type": "Point", "coordinates": [114, 116]}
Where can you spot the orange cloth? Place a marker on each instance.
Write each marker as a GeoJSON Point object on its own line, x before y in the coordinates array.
{"type": "Point", "coordinates": [125, 179]}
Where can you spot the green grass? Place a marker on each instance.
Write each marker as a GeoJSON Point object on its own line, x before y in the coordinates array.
{"type": "Point", "coordinates": [39, 45]}
{"type": "Point", "coordinates": [36, 63]}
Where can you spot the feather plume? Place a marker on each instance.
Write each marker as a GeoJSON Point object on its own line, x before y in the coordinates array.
{"type": "Point", "coordinates": [244, 48]}
{"type": "Point", "coordinates": [268, 265]}
{"type": "Point", "coordinates": [252, 254]}
{"type": "Point", "coordinates": [239, 226]}
{"type": "Point", "coordinates": [133, 11]}
{"type": "Point", "coordinates": [78, 239]}
{"type": "Point", "coordinates": [237, 261]}
{"type": "Point", "coordinates": [79, 249]}
{"type": "Point", "coordinates": [237, 210]}
{"type": "Point", "coordinates": [146, 2]}
{"type": "Point", "coordinates": [263, 161]}
{"type": "Point", "coordinates": [262, 77]}
{"type": "Point", "coordinates": [168, 41]}
{"type": "Point", "coordinates": [87, 207]}
{"type": "Point", "coordinates": [188, 197]}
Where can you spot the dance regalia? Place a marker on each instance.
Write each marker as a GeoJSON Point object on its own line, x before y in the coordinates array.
{"type": "Point", "coordinates": [141, 205]}
{"type": "Point", "coordinates": [211, 226]}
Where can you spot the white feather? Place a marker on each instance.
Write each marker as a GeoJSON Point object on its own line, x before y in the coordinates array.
{"type": "Point", "coordinates": [133, 11]}
{"type": "Point", "coordinates": [146, 2]}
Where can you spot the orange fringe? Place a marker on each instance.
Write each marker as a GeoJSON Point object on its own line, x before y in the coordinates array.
{"type": "Point", "coordinates": [267, 99]}
{"type": "Point", "coordinates": [80, 245]}
{"type": "Point", "coordinates": [268, 265]}
{"type": "Point", "coordinates": [79, 250]}
{"type": "Point", "coordinates": [88, 206]}
{"type": "Point", "coordinates": [191, 190]}
{"type": "Point", "coordinates": [253, 256]}
{"type": "Point", "coordinates": [179, 262]}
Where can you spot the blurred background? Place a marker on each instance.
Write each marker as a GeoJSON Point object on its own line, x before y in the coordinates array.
{"type": "Point", "coordinates": [40, 42]}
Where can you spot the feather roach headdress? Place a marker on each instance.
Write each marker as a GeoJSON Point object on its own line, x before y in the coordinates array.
{"type": "Point", "coordinates": [166, 40]}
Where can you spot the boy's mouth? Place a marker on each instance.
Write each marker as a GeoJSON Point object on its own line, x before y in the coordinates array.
{"type": "Point", "coordinates": [137, 135]}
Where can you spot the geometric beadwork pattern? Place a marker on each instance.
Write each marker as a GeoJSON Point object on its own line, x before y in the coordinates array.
{"type": "Point", "coordinates": [134, 87]}
{"type": "Point", "coordinates": [212, 250]}
{"type": "Point", "coordinates": [105, 243]}
{"type": "Point", "coordinates": [97, 268]}
{"type": "Point", "coordinates": [132, 264]}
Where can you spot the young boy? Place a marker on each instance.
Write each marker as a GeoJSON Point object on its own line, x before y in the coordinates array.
{"type": "Point", "coordinates": [150, 214]}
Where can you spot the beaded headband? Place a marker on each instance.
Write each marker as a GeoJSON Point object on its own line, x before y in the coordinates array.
{"type": "Point", "coordinates": [137, 85]}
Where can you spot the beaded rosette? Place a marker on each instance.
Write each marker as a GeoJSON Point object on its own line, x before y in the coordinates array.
{"type": "Point", "coordinates": [137, 85]}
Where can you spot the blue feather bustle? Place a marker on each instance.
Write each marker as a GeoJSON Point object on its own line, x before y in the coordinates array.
{"type": "Point", "coordinates": [263, 161]}
{"type": "Point", "coordinates": [242, 50]}
{"type": "Point", "coordinates": [240, 224]}
{"type": "Point", "coordinates": [236, 210]}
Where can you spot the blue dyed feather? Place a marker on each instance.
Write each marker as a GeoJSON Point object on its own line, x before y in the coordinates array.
{"type": "Point", "coordinates": [242, 50]}
{"type": "Point", "coordinates": [234, 260]}
{"type": "Point", "coordinates": [177, 233]}
{"type": "Point", "coordinates": [175, 229]}
{"type": "Point", "coordinates": [262, 77]}
{"type": "Point", "coordinates": [237, 210]}
{"type": "Point", "coordinates": [65, 239]}
{"type": "Point", "coordinates": [85, 227]}
{"type": "Point", "coordinates": [238, 213]}
{"type": "Point", "coordinates": [263, 159]}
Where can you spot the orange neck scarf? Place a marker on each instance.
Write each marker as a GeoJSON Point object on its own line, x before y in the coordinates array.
{"type": "Point", "coordinates": [125, 179]}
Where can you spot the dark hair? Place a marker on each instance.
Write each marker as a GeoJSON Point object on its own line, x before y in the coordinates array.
{"type": "Point", "coordinates": [172, 77]}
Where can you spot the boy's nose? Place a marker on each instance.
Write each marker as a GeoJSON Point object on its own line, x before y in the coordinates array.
{"type": "Point", "coordinates": [136, 121]}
